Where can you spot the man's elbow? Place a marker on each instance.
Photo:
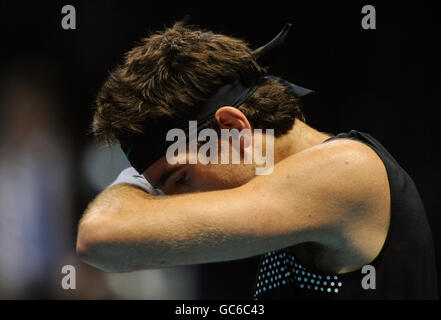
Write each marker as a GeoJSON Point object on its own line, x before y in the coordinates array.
{"type": "Point", "coordinates": [94, 248]}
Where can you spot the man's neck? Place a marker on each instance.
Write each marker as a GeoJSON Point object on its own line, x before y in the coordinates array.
{"type": "Point", "coordinates": [300, 137]}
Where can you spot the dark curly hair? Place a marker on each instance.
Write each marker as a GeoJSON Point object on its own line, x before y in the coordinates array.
{"type": "Point", "coordinates": [171, 73]}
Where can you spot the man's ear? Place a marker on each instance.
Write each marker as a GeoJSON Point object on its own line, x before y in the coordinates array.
{"type": "Point", "coordinates": [232, 118]}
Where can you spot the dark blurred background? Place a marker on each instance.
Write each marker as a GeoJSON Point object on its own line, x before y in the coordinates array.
{"type": "Point", "coordinates": [385, 82]}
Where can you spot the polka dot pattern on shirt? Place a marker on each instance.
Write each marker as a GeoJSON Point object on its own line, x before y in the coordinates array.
{"type": "Point", "coordinates": [277, 269]}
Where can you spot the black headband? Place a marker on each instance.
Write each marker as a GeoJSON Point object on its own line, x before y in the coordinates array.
{"type": "Point", "coordinates": [142, 150]}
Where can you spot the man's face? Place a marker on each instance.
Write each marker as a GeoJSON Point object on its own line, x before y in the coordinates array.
{"type": "Point", "coordinates": [185, 178]}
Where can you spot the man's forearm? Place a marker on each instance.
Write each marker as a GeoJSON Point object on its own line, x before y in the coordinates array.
{"type": "Point", "coordinates": [125, 229]}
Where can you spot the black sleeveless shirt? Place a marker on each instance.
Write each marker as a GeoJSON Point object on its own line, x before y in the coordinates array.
{"type": "Point", "coordinates": [404, 268]}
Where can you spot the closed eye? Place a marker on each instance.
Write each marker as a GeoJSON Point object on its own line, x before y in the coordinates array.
{"type": "Point", "coordinates": [182, 178]}
{"type": "Point", "coordinates": [178, 177]}
{"type": "Point", "coordinates": [165, 179]}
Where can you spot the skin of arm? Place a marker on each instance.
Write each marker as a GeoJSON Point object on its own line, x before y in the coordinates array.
{"type": "Point", "coordinates": [312, 196]}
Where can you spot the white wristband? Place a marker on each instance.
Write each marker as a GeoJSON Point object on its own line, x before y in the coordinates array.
{"type": "Point", "coordinates": [131, 176]}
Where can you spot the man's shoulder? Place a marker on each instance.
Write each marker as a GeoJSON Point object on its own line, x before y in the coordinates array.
{"type": "Point", "coordinates": [342, 152]}
{"type": "Point", "coordinates": [342, 171]}
{"type": "Point", "coordinates": [356, 162]}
